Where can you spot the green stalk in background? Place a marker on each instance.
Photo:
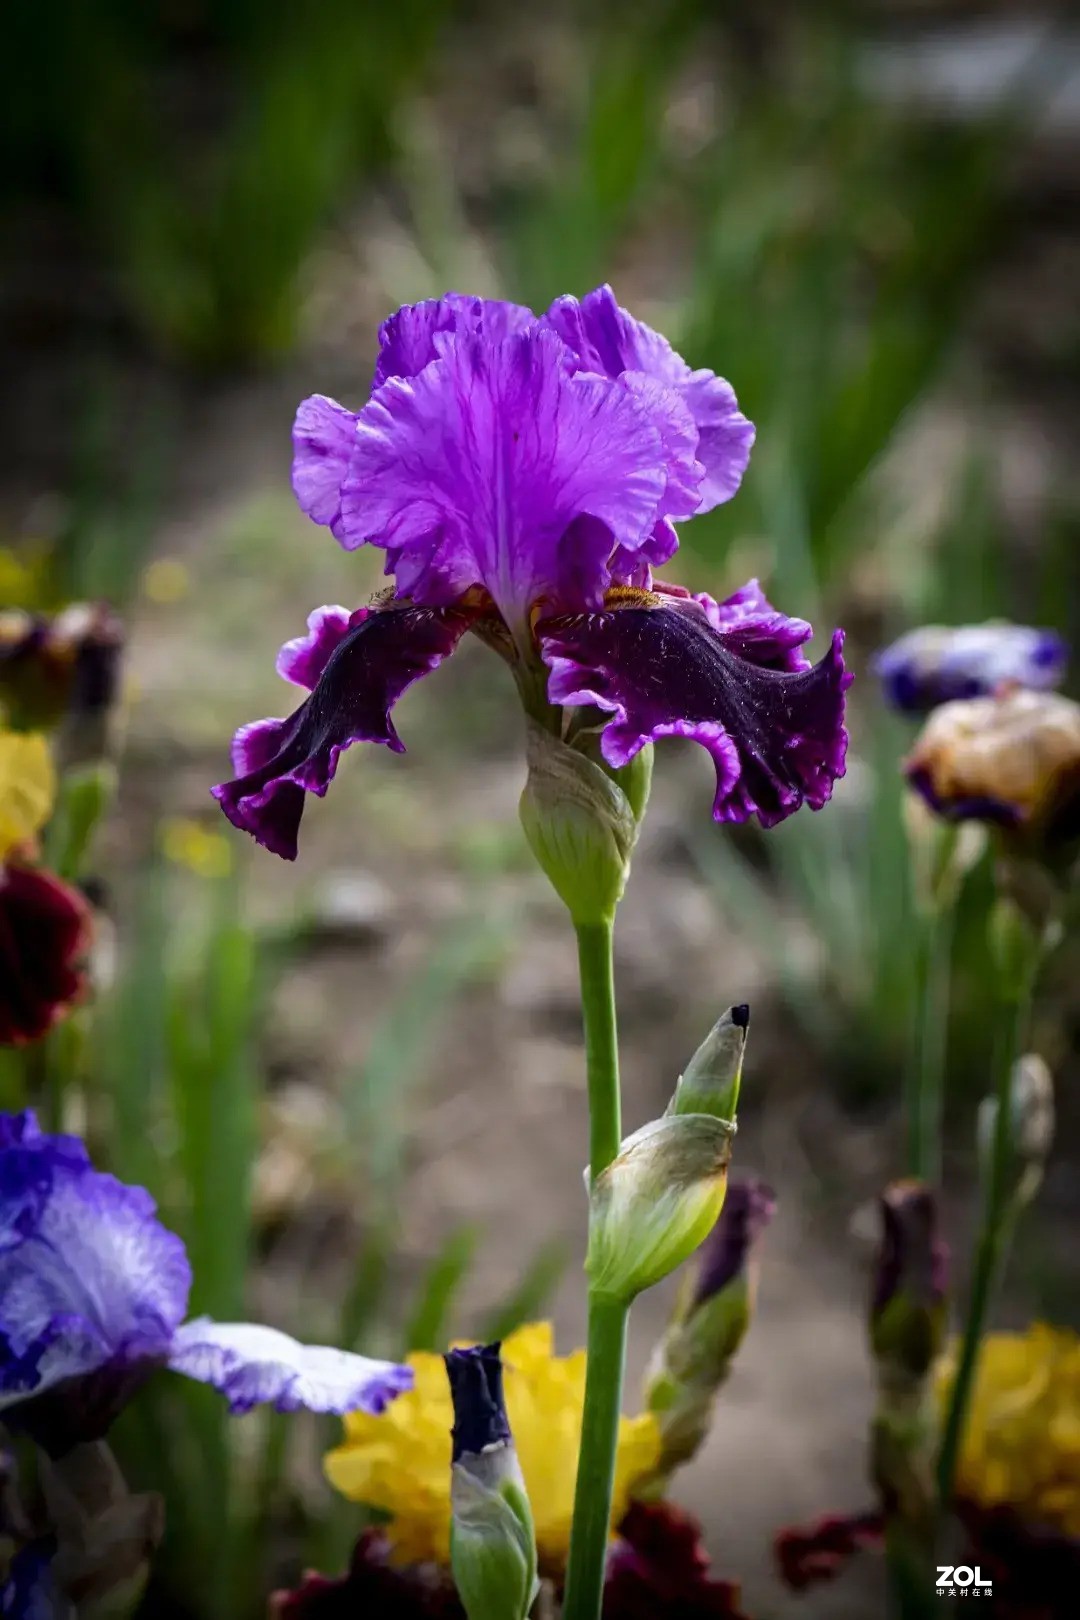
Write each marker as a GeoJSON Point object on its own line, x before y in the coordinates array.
{"type": "Point", "coordinates": [1018, 984]}
{"type": "Point", "coordinates": [607, 1317]}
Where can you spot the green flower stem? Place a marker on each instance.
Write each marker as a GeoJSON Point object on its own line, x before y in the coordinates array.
{"type": "Point", "coordinates": [994, 1231]}
{"type": "Point", "coordinates": [596, 968]}
{"type": "Point", "coordinates": [925, 1108]}
{"type": "Point", "coordinates": [596, 1468]}
{"type": "Point", "coordinates": [607, 1318]}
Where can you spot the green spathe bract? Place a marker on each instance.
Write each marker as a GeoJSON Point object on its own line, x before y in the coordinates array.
{"type": "Point", "coordinates": [580, 824]}
{"type": "Point", "coordinates": [656, 1202]}
{"type": "Point", "coordinates": [492, 1541]}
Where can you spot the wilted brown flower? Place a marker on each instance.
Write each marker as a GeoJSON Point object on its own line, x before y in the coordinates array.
{"type": "Point", "coordinates": [1012, 760]}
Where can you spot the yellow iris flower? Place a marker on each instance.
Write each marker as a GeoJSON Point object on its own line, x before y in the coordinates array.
{"type": "Point", "coordinates": [27, 787]}
{"type": "Point", "coordinates": [1022, 1445]}
{"type": "Point", "coordinates": [400, 1462]}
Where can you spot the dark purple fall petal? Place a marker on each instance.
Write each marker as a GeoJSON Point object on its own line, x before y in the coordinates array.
{"type": "Point", "coordinates": [608, 339]}
{"type": "Point", "coordinates": [44, 932]}
{"type": "Point", "coordinates": [776, 736]}
{"type": "Point", "coordinates": [382, 653]}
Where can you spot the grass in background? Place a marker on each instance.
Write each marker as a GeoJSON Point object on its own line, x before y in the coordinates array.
{"type": "Point", "coordinates": [174, 1088]}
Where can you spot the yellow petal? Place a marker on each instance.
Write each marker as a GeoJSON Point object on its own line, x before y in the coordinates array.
{"type": "Point", "coordinates": [27, 787]}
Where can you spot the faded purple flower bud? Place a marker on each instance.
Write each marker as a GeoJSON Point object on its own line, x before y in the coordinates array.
{"type": "Point", "coordinates": [936, 663]}
{"type": "Point", "coordinates": [913, 1262]}
{"type": "Point", "coordinates": [907, 1335]}
{"type": "Point", "coordinates": [693, 1359]}
{"type": "Point", "coordinates": [725, 1256]}
{"type": "Point", "coordinates": [492, 1542]}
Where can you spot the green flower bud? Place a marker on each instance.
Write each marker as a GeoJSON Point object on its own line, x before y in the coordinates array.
{"type": "Point", "coordinates": [656, 1202]}
{"type": "Point", "coordinates": [492, 1542]}
{"type": "Point", "coordinates": [580, 824]}
{"type": "Point", "coordinates": [711, 1081]}
{"type": "Point", "coordinates": [1031, 1126]}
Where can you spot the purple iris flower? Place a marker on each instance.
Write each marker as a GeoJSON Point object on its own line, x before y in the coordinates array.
{"type": "Point", "coordinates": [936, 663]}
{"type": "Point", "coordinates": [93, 1291]}
{"type": "Point", "coordinates": [523, 476]}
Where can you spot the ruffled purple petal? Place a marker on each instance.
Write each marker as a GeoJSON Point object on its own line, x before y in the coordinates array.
{"type": "Point", "coordinates": [408, 339]}
{"type": "Point", "coordinates": [278, 761]}
{"type": "Point", "coordinates": [89, 1278]}
{"type": "Point", "coordinates": [476, 469]}
{"type": "Point", "coordinates": [776, 736]}
{"type": "Point", "coordinates": [323, 435]}
{"type": "Point", "coordinates": [252, 1365]}
{"type": "Point", "coordinates": [936, 663]}
{"type": "Point", "coordinates": [304, 660]}
{"type": "Point", "coordinates": [770, 638]}
{"type": "Point", "coordinates": [608, 339]}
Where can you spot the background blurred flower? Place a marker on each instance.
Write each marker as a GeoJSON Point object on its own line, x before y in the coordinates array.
{"type": "Point", "coordinates": [936, 663]}
{"type": "Point", "coordinates": [44, 924]}
{"type": "Point", "coordinates": [1012, 759]}
{"type": "Point", "coordinates": [64, 666]}
{"type": "Point", "coordinates": [1021, 1446]}
{"type": "Point", "coordinates": [92, 1295]}
{"type": "Point", "coordinates": [44, 934]}
{"type": "Point", "coordinates": [658, 1568]}
{"type": "Point", "coordinates": [27, 788]}
{"type": "Point", "coordinates": [399, 1463]}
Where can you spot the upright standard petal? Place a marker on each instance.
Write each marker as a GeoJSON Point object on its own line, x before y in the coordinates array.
{"type": "Point", "coordinates": [475, 471]}
{"type": "Point", "coordinates": [661, 668]}
{"type": "Point", "coordinates": [608, 339]}
{"type": "Point", "coordinates": [409, 338]}
{"type": "Point", "coordinates": [251, 1365]}
{"type": "Point", "coordinates": [357, 670]}
{"type": "Point", "coordinates": [91, 1288]}
{"type": "Point", "coordinates": [323, 435]}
